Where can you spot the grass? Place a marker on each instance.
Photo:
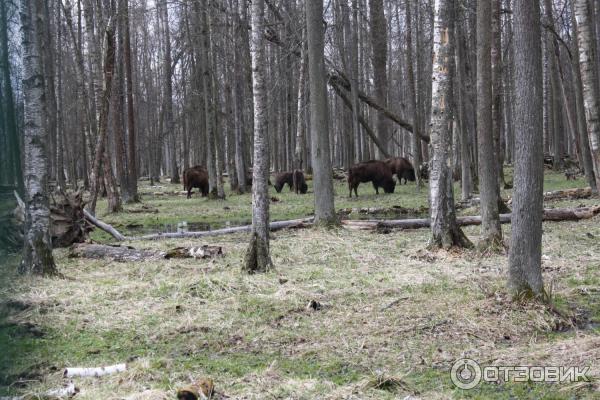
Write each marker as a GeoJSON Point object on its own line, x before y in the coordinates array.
{"type": "Point", "coordinates": [394, 316]}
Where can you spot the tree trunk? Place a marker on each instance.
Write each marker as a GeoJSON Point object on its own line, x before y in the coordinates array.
{"type": "Point", "coordinates": [37, 250]}
{"type": "Point", "coordinates": [319, 115]}
{"type": "Point", "coordinates": [379, 46]}
{"type": "Point", "coordinates": [257, 257]}
{"type": "Point", "coordinates": [491, 231]}
{"type": "Point", "coordinates": [444, 229]}
{"type": "Point", "coordinates": [299, 150]}
{"type": "Point", "coordinates": [589, 77]}
{"type": "Point", "coordinates": [109, 64]}
{"type": "Point", "coordinates": [132, 169]}
{"type": "Point", "coordinates": [412, 96]}
{"type": "Point", "coordinates": [524, 260]}
{"type": "Point", "coordinates": [463, 117]}
{"type": "Point", "coordinates": [9, 105]}
{"type": "Point", "coordinates": [588, 163]}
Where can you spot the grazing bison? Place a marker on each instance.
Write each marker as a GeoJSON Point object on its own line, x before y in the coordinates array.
{"type": "Point", "coordinates": [283, 178]}
{"type": "Point", "coordinates": [402, 168]}
{"type": "Point", "coordinates": [377, 172]}
{"type": "Point", "coordinates": [300, 185]}
{"type": "Point", "coordinates": [294, 179]}
{"type": "Point", "coordinates": [195, 177]}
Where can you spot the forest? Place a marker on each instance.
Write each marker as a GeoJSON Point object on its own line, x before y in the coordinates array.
{"type": "Point", "coordinates": [299, 199]}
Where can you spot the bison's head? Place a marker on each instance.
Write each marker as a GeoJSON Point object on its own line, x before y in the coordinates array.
{"type": "Point", "coordinates": [410, 175]}
{"type": "Point", "coordinates": [389, 185]}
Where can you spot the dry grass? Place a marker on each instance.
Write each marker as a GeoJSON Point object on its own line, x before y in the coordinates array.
{"type": "Point", "coordinates": [392, 319]}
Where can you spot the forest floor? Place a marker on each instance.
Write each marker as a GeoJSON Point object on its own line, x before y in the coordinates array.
{"type": "Point", "coordinates": [392, 320]}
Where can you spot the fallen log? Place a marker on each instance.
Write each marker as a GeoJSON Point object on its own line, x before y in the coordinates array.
{"type": "Point", "coordinates": [550, 214]}
{"type": "Point", "coordinates": [99, 371]}
{"type": "Point", "coordinates": [104, 226]}
{"type": "Point", "coordinates": [273, 226]}
{"type": "Point", "coordinates": [128, 253]}
{"type": "Point", "coordinates": [116, 253]}
{"type": "Point", "coordinates": [569, 194]}
{"type": "Point", "coordinates": [53, 394]}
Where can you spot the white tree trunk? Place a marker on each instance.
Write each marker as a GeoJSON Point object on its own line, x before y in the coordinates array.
{"type": "Point", "coordinates": [37, 252]}
{"type": "Point", "coordinates": [258, 258]}
{"type": "Point", "coordinates": [445, 231]}
{"type": "Point", "coordinates": [591, 90]}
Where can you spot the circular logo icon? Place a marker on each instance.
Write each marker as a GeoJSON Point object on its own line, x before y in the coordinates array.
{"type": "Point", "coordinates": [465, 373]}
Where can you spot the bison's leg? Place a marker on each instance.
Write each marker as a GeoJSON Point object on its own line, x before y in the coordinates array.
{"type": "Point", "coordinates": [376, 187]}
{"type": "Point", "coordinates": [189, 190]}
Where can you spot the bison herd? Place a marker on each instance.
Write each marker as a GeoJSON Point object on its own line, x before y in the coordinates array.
{"type": "Point", "coordinates": [379, 173]}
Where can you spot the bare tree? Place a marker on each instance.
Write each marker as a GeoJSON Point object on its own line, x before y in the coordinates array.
{"type": "Point", "coordinates": [591, 90]}
{"type": "Point", "coordinates": [379, 47]}
{"type": "Point", "coordinates": [524, 260]}
{"type": "Point", "coordinates": [37, 251]}
{"type": "Point", "coordinates": [258, 258]}
{"type": "Point", "coordinates": [488, 175]}
{"type": "Point", "coordinates": [319, 119]}
{"type": "Point", "coordinates": [445, 231]}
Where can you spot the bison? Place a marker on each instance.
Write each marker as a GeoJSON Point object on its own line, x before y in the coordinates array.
{"type": "Point", "coordinates": [287, 178]}
{"type": "Point", "coordinates": [377, 172]}
{"type": "Point", "coordinates": [300, 185]}
{"type": "Point", "coordinates": [195, 177]}
{"type": "Point", "coordinates": [402, 168]}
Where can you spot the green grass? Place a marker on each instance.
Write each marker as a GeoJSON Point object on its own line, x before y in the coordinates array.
{"type": "Point", "coordinates": [389, 308]}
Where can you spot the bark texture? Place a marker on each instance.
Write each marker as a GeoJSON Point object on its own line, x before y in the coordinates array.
{"type": "Point", "coordinates": [319, 115]}
{"type": "Point", "coordinates": [491, 231]}
{"type": "Point", "coordinates": [444, 229]}
{"type": "Point", "coordinates": [525, 273]}
{"type": "Point", "coordinates": [589, 76]}
{"type": "Point", "coordinates": [37, 249]}
{"type": "Point", "coordinates": [258, 258]}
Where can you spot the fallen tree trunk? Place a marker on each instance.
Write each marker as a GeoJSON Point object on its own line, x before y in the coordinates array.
{"type": "Point", "coordinates": [550, 214]}
{"type": "Point", "coordinates": [104, 226]}
{"type": "Point", "coordinates": [569, 194]}
{"type": "Point", "coordinates": [117, 253]}
{"type": "Point", "coordinates": [294, 223]}
{"type": "Point", "coordinates": [54, 394]}
{"type": "Point", "coordinates": [99, 371]}
{"type": "Point", "coordinates": [128, 253]}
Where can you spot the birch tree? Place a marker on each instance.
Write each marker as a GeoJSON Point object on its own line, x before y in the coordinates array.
{"type": "Point", "coordinates": [258, 258]}
{"type": "Point", "coordinates": [445, 232]}
{"type": "Point", "coordinates": [591, 90]}
{"type": "Point", "coordinates": [37, 250]}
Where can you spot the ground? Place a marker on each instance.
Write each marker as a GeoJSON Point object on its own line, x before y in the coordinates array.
{"type": "Point", "coordinates": [391, 319]}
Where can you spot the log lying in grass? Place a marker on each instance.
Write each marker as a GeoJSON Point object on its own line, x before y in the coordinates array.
{"type": "Point", "coordinates": [569, 194]}
{"type": "Point", "coordinates": [116, 253]}
{"type": "Point", "coordinates": [128, 253]}
{"type": "Point", "coordinates": [54, 394]}
{"type": "Point", "coordinates": [550, 214]}
{"type": "Point", "coordinates": [104, 226]}
{"type": "Point", "coordinates": [99, 371]}
{"type": "Point", "coordinates": [294, 223]}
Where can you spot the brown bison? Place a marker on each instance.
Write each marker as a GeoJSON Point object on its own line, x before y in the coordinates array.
{"type": "Point", "coordinates": [300, 185]}
{"type": "Point", "coordinates": [402, 168]}
{"type": "Point", "coordinates": [287, 178]}
{"type": "Point", "coordinates": [377, 172]}
{"type": "Point", "coordinates": [283, 178]}
{"type": "Point", "coordinates": [195, 177]}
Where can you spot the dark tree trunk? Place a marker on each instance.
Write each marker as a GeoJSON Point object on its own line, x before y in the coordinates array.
{"type": "Point", "coordinates": [524, 260]}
